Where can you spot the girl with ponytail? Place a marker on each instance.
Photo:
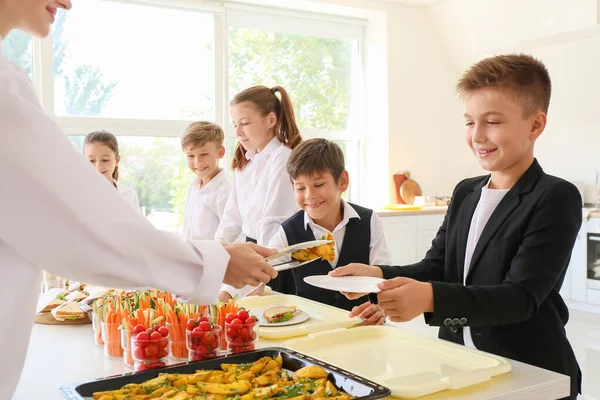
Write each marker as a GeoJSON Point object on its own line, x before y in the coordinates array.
{"type": "Point", "coordinates": [262, 196]}
{"type": "Point", "coordinates": [102, 150]}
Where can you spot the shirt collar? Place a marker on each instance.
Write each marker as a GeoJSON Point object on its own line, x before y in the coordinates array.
{"type": "Point", "coordinates": [270, 148]}
{"type": "Point", "coordinates": [349, 213]}
{"type": "Point", "coordinates": [216, 181]}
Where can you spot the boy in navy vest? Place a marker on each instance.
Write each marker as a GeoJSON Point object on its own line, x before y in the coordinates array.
{"type": "Point", "coordinates": [316, 168]}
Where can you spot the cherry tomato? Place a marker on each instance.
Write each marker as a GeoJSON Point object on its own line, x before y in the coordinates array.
{"type": "Point", "coordinates": [164, 331]}
{"type": "Point", "coordinates": [232, 333]}
{"type": "Point", "coordinates": [197, 333]}
{"type": "Point", "coordinates": [203, 319]}
{"type": "Point", "coordinates": [151, 350]}
{"type": "Point", "coordinates": [139, 328]}
{"type": "Point", "coordinates": [201, 350]}
{"type": "Point", "coordinates": [242, 349]}
{"type": "Point", "coordinates": [205, 326]}
{"type": "Point", "coordinates": [237, 321]}
{"type": "Point", "coordinates": [250, 320]}
{"type": "Point", "coordinates": [230, 317]}
{"type": "Point", "coordinates": [208, 339]}
{"type": "Point", "coordinates": [162, 353]}
{"type": "Point", "coordinates": [142, 337]}
{"type": "Point", "coordinates": [156, 328]}
{"type": "Point", "coordinates": [155, 336]}
{"type": "Point", "coordinates": [149, 331]}
{"type": "Point", "coordinates": [242, 315]}
{"type": "Point", "coordinates": [191, 324]}
{"type": "Point", "coordinates": [245, 334]}
{"type": "Point", "coordinates": [139, 353]}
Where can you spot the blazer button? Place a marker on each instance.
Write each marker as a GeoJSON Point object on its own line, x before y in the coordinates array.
{"type": "Point", "coordinates": [455, 321]}
{"type": "Point", "coordinates": [447, 322]}
{"type": "Point", "coordinates": [462, 321]}
{"type": "Point", "coordinates": [454, 329]}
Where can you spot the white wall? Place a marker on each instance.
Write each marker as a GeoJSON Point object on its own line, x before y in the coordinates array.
{"type": "Point", "coordinates": [426, 123]}
{"type": "Point", "coordinates": [570, 48]}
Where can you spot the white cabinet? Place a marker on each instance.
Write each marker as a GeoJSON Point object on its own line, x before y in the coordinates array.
{"type": "Point", "coordinates": [401, 239]}
{"type": "Point", "coordinates": [409, 237]}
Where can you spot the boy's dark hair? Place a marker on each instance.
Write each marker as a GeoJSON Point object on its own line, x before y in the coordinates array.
{"type": "Point", "coordinates": [526, 76]}
{"type": "Point", "coordinates": [316, 155]}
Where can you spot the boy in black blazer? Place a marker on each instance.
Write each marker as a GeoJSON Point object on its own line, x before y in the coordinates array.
{"type": "Point", "coordinates": [492, 277]}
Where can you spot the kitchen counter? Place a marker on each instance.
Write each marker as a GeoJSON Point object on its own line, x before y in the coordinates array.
{"type": "Point", "coordinates": [424, 211]}
{"type": "Point", "coordinates": [60, 355]}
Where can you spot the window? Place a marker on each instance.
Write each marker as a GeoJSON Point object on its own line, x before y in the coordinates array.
{"type": "Point", "coordinates": [161, 67]}
{"type": "Point", "coordinates": [144, 69]}
{"type": "Point", "coordinates": [157, 169]}
{"type": "Point", "coordinates": [18, 48]}
{"type": "Point", "coordinates": [320, 67]}
{"type": "Point", "coordinates": [317, 73]}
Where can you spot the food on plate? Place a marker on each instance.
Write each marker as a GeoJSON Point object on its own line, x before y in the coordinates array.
{"type": "Point", "coordinates": [324, 251]}
{"type": "Point", "coordinates": [262, 379]}
{"type": "Point", "coordinates": [281, 313]}
{"type": "Point", "coordinates": [69, 310]}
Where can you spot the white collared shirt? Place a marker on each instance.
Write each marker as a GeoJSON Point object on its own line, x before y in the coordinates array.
{"type": "Point", "coordinates": [489, 200]}
{"type": "Point", "coordinates": [262, 196]}
{"type": "Point", "coordinates": [58, 213]}
{"type": "Point", "coordinates": [378, 253]}
{"type": "Point", "coordinates": [129, 195]}
{"type": "Point", "coordinates": [204, 207]}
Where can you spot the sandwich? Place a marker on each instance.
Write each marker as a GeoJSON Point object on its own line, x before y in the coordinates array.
{"type": "Point", "coordinates": [281, 313]}
{"type": "Point", "coordinates": [76, 296]}
{"type": "Point", "coordinates": [70, 311]}
{"type": "Point", "coordinates": [324, 251]}
{"type": "Point", "coordinates": [50, 300]}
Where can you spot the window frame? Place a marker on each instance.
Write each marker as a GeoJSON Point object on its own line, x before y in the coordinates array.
{"type": "Point", "coordinates": [223, 13]}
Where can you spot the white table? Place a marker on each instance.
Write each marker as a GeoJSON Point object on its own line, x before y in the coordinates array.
{"type": "Point", "coordinates": [60, 355]}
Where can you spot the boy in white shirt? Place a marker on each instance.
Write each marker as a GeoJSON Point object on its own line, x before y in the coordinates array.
{"type": "Point", "coordinates": [202, 144]}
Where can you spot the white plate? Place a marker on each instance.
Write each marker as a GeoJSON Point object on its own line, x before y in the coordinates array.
{"type": "Point", "coordinates": [296, 247]}
{"type": "Point", "coordinates": [352, 284]}
{"type": "Point", "coordinates": [262, 321]}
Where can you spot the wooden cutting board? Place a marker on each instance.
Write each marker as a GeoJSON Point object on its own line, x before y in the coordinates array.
{"type": "Point", "coordinates": [48, 319]}
{"type": "Point", "coordinates": [409, 190]}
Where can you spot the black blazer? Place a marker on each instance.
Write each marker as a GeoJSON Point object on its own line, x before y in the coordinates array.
{"type": "Point", "coordinates": [511, 299]}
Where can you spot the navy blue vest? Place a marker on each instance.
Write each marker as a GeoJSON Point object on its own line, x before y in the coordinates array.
{"type": "Point", "coordinates": [355, 249]}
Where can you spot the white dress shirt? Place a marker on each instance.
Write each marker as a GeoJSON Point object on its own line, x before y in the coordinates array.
{"type": "Point", "coordinates": [262, 196]}
{"type": "Point", "coordinates": [204, 207]}
{"type": "Point", "coordinates": [489, 200]}
{"type": "Point", "coordinates": [129, 195]}
{"type": "Point", "coordinates": [58, 214]}
{"type": "Point", "coordinates": [378, 255]}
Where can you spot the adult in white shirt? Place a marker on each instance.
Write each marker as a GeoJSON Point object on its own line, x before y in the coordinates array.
{"type": "Point", "coordinates": [58, 214]}
{"type": "Point", "coordinates": [101, 149]}
{"type": "Point", "coordinates": [262, 196]}
{"type": "Point", "coordinates": [202, 144]}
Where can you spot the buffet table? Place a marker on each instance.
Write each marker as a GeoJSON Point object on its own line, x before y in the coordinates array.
{"type": "Point", "coordinates": [60, 355]}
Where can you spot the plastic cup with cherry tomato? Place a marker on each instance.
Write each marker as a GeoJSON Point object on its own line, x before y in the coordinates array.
{"type": "Point", "coordinates": [241, 334]}
{"type": "Point", "coordinates": [149, 347]}
{"type": "Point", "coordinates": [203, 342]}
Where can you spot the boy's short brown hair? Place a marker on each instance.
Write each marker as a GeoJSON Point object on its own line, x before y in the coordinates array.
{"type": "Point", "coordinates": [316, 155]}
{"type": "Point", "coordinates": [202, 132]}
{"type": "Point", "coordinates": [526, 76]}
